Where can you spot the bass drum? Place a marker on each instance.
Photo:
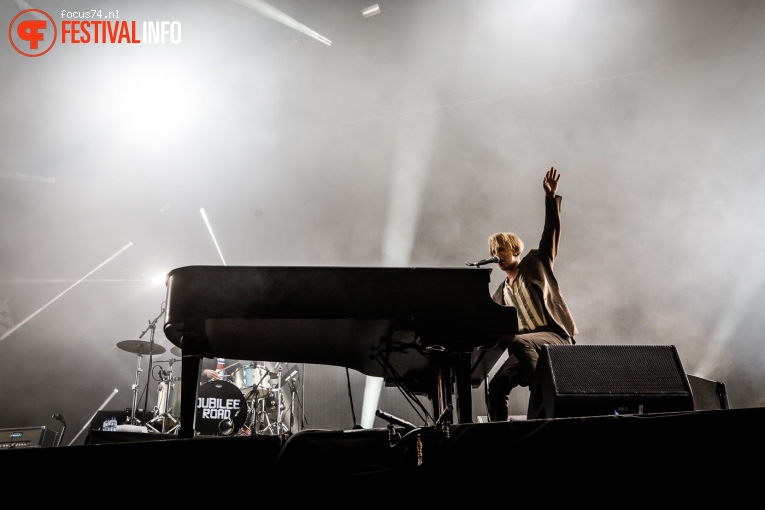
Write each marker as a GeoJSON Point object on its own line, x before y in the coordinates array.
{"type": "Point", "coordinates": [221, 409]}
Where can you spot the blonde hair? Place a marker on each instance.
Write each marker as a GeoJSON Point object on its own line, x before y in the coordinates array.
{"type": "Point", "coordinates": [508, 240]}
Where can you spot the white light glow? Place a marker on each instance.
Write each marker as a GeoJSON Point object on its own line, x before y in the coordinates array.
{"type": "Point", "coordinates": [159, 279]}
{"type": "Point", "coordinates": [372, 389]}
{"type": "Point", "coordinates": [371, 10]}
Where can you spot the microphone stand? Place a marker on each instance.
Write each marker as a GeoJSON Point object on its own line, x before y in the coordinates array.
{"type": "Point", "coordinates": [295, 395]}
{"type": "Point", "coordinates": [152, 327]}
{"type": "Point", "coordinates": [279, 422]}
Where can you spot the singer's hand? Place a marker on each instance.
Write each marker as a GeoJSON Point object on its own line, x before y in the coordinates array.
{"type": "Point", "coordinates": [550, 182]}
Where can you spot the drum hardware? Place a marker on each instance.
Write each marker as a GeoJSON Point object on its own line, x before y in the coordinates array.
{"type": "Point", "coordinates": [166, 389]}
{"type": "Point", "coordinates": [267, 410]}
{"type": "Point", "coordinates": [139, 347]}
{"type": "Point", "coordinates": [272, 400]}
{"type": "Point", "coordinates": [290, 379]}
{"type": "Point", "coordinates": [262, 410]}
{"type": "Point", "coordinates": [152, 326]}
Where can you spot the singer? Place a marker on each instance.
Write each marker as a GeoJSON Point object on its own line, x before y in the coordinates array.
{"type": "Point", "coordinates": [531, 287]}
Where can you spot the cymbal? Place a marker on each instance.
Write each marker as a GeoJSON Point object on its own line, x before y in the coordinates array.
{"type": "Point", "coordinates": [140, 347]}
{"type": "Point", "coordinates": [176, 351]}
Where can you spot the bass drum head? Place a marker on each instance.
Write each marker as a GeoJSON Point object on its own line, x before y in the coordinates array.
{"type": "Point", "coordinates": [221, 409]}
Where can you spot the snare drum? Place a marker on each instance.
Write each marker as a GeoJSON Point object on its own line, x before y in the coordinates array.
{"type": "Point", "coordinates": [221, 409]}
{"type": "Point", "coordinates": [250, 377]}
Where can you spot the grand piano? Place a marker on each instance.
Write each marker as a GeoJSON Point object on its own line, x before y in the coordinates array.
{"type": "Point", "coordinates": [431, 331]}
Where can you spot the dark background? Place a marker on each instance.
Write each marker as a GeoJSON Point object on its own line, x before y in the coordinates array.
{"type": "Point", "coordinates": [409, 140]}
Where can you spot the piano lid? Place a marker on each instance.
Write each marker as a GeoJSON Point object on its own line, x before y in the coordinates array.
{"type": "Point", "coordinates": [373, 320]}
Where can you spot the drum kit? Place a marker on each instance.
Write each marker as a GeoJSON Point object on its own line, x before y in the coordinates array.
{"type": "Point", "coordinates": [255, 398]}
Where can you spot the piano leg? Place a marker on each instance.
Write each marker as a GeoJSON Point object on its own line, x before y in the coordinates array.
{"type": "Point", "coordinates": [455, 378]}
{"type": "Point", "coordinates": [461, 362]}
{"type": "Point", "coordinates": [443, 392]}
{"type": "Point", "coordinates": [190, 366]}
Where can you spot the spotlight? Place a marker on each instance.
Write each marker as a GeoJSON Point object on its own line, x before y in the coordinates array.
{"type": "Point", "coordinates": [159, 279]}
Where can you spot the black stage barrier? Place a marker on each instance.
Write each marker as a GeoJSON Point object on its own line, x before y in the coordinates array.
{"type": "Point", "coordinates": [349, 457]}
{"type": "Point", "coordinates": [623, 447]}
{"type": "Point", "coordinates": [640, 453]}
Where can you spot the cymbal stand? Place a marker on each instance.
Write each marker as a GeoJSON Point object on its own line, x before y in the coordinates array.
{"type": "Point", "coordinates": [257, 413]}
{"type": "Point", "coordinates": [279, 400]}
{"type": "Point", "coordinates": [138, 370]}
{"type": "Point", "coordinates": [252, 412]}
{"type": "Point", "coordinates": [294, 395]}
{"type": "Point", "coordinates": [277, 427]}
{"type": "Point", "coordinates": [152, 327]}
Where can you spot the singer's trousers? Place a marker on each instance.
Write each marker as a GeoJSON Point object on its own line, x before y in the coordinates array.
{"type": "Point", "coordinates": [518, 369]}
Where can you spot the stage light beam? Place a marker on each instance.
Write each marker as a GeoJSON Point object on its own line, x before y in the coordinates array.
{"type": "Point", "coordinates": [17, 326]}
{"type": "Point", "coordinates": [371, 10]}
{"type": "Point", "coordinates": [204, 216]}
{"type": "Point", "coordinates": [275, 14]}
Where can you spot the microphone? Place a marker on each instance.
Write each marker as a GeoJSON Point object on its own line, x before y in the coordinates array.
{"type": "Point", "coordinates": [492, 260]}
{"type": "Point", "coordinates": [394, 420]}
{"type": "Point", "coordinates": [291, 375]}
{"type": "Point", "coordinates": [443, 421]}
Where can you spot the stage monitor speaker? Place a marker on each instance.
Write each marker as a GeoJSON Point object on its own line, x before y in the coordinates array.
{"type": "Point", "coordinates": [27, 437]}
{"type": "Point", "coordinates": [593, 380]}
{"type": "Point", "coordinates": [707, 395]}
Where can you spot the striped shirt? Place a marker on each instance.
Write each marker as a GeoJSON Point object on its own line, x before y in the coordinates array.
{"type": "Point", "coordinates": [531, 313]}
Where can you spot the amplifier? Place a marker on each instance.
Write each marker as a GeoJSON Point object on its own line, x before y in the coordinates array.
{"type": "Point", "coordinates": [27, 437]}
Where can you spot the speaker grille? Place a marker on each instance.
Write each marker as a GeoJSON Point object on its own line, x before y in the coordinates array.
{"type": "Point", "coordinates": [591, 380]}
{"type": "Point", "coordinates": [617, 369]}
